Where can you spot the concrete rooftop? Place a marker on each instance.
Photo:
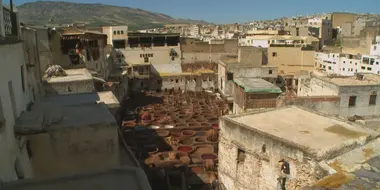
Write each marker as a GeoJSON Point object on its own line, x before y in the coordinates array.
{"type": "Point", "coordinates": [252, 85]}
{"type": "Point", "coordinates": [315, 133]}
{"type": "Point", "coordinates": [65, 111]}
{"type": "Point", "coordinates": [369, 79]}
{"type": "Point", "coordinates": [72, 75]}
{"type": "Point", "coordinates": [111, 179]}
{"type": "Point", "coordinates": [356, 169]}
{"type": "Point", "coordinates": [107, 97]}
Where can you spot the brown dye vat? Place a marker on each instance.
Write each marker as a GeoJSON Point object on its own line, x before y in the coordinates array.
{"type": "Point", "coordinates": [197, 117]}
{"type": "Point", "coordinates": [205, 125]}
{"type": "Point", "coordinates": [162, 133]}
{"type": "Point", "coordinates": [203, 149]}
{"type": "Point", "coordinates": [188, 133]}
{"type": "Point", "coordinates": [212, 135]}
{"type": "Point", "coordinates": [194, 124]}
{"type": "Point", "coordinates": [183, 125]}
{"type": "Point", "coordinates": [201, 139]}
{"type": "Point", "coordinates": [191, 120]}
{"type": "Point", "coordinates": [186, 149]}
{"type": "Point", "coordinates": [186, 141]}
{"type": "Point", "coordinates": [183, 117]}
{"type": "Point", "coordinates": [172, 114]}
{"type": "Point", "coordinates": [209, 156]}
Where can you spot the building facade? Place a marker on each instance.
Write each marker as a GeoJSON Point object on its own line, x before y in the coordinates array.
{"type": "Point", "coordinates": [290, 59]}
{"type": "Point", "coordinates": [14, 98]}
{"type": "Point", "coordinates": [358, 94]}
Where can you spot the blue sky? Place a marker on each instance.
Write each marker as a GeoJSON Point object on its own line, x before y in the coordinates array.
{"type": "Point", "coordinates": [222, 11]}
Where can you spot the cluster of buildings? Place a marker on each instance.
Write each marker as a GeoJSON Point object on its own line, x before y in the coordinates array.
{"type": "Point", "coordinates": [216, 107]}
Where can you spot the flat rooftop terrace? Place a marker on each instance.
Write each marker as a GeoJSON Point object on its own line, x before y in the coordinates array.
{"type": "Point", "coordinates": [252, 85]}
{"type": "Point", "coordinates": [115, 179]}
{"type": "Point", "coordinates": [315, 133]}
{"type": "Point", "coordinates": [106, 97]}
{"type": "Point", "coordinates": [72, 75]}
{"type": "Point", "coordinates": [63, 111]}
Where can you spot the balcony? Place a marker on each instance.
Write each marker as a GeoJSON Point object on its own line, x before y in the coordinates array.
{"type": "Point", "coordinates": [10, 25]}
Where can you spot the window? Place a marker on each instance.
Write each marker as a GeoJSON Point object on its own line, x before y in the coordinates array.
{"type": "Point", "coordinates": [122, 32]}
{"type": "Point", "coordinates": [270, 71]}
{"type": "Point", "coordinates": [230, 76]}
{"type": "Point", "coordinates": [114, 32]}
{"type": "Point", "coordinates": [22, 78]}
{"type": "Point", "coordinates": [374, 47]}
{"type": "Point", "coordinates": [372, 99]}
{"type": "Point", "coordinates": [352, 101]}
{"type": "Point", "coordinates": [344, 61]}
{"type": "Point", "coordinates": [118, 32]}
{"type": "Point", "coordinates": [363, 68]}
{"type": "Point", "coordinates": [369, 68]}
{"type": "Point", "coordinates": [356, 63]}
{"type": "Point", "coordinates": [274, 54]}
{"type": "Point", "coordinates": [176, 81]}
{"type": "Point", "coordinates": [344, 69]}
{"type": "Point", "coordinates": [377, 62]}
{"type": "Point", "coordinates": [240, 156]}
{"type": "Point", "coordinates": [146, 60]}
{"type": "Point", "coordinates": [264, 148]}
{"type": "Point", "coordinates": [330, 68]}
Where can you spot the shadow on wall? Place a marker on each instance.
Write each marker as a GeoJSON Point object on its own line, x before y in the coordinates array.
{"type": "Point", "coordinates": [179, 156]}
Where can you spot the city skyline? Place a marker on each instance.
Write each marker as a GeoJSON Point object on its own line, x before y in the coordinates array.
{"type": "Point", "coordinates": [212, 11]}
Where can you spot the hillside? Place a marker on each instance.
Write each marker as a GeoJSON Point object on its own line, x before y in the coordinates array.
{"type": "Point", "coordinates": [54, 12]}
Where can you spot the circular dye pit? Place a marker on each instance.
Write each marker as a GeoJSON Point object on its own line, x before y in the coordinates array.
{"type": "Point", "coordinates": [186, 149]}
{"type": "Point", "coordinates": [209, 156]}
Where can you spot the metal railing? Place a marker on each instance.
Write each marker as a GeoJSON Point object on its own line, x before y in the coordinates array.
{"type": "Point", "coordinates": [10, 22]}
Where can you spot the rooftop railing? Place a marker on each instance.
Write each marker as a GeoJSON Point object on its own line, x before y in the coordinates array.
{"type": "Point", "coordinates": [10, 22]}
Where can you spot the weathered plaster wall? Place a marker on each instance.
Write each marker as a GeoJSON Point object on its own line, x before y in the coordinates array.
{"type": "Point", "coordinates": [161, 55]}
{"type": "Point", "coordinates": [325, 104]}
{"type": "Point", "coordinates": [318, 87]}
{"type": "Point", "coordinates": [74, 149]}
{"type": "Point", "coordinates": [362, 106]}
{"type": "Point", "coordinates": [74, 87]}
{"type": "Point", "coordinates": [260, 169]}
{"type": "Point", "coordinates": [193, 57]}
{"type": "Point", "coordinates": [12, 57]}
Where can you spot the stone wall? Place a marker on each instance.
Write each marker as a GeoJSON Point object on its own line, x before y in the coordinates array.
{"type": "Point", "coordinates": [74, 149]}
{"type": "Point", "coordinates": [259, 170]}
{"type": "Point", "coordinates": [324, 104]}
{"type": "Point", "coordinates": [74, 87]}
